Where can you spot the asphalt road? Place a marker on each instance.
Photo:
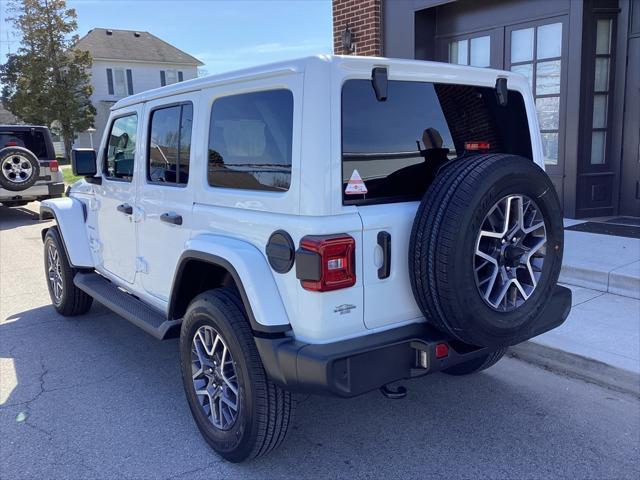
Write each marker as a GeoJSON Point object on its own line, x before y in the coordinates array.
{"type": "Point", "coordinates": [94, 397]}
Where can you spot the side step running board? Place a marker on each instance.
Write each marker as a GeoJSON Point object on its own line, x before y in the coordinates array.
{"type": "Point", "coordinates": [125, 305]}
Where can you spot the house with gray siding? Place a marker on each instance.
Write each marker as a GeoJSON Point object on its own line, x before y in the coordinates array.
{"type": "Point", "coordinates": [127, 62]}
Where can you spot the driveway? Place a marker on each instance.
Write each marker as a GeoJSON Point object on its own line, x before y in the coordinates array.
{"type": "Point", "coordinates": [94, 397]}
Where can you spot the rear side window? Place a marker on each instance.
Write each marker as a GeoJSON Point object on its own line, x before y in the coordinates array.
{"type": "Point", "coordinates": [170, 145]}
{"type": "Point", "coordinates": [121, 148]}
{"type": "Point", "coordinates": [397, 146]}
{"type": "Point", "coordinates": [33, 141]}
{"type": "Point", "coordinates": [250, 141]}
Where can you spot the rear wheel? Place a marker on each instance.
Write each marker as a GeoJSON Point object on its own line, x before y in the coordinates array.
{"type": "Point", "coordinates": [477, 364]}
{"type": "Point", "coordinates": [238, 410]}
{"type": "Point", "coordinates": [67, 299]}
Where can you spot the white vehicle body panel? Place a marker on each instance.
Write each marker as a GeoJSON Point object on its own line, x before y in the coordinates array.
{"type": "Point", "coordinates": [117, 231]}
{"type": "Point", "coordinates": [236, 224]}
{"type": "Point", "coordinates": [254, 271]}
{"type": "Point", "coordinates": [69, 215]}
{"type": "Point", "coordinates": [160, 244]}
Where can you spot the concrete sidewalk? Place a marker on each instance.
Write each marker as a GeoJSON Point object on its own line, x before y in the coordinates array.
{"type": "Point", "coordinates": [599, 342]}
{"type": "Point", "coordinates": [605, 263]}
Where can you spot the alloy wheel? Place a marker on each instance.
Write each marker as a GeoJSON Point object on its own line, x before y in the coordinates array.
{"type": "Point", "coordinates": [214, 377]}
{"type": "Point", "coordinates": [17, 168]}
{"type": "Point", "coordinates": [510, 252]}
{"type": "Point", "coordinates": [54, 273]}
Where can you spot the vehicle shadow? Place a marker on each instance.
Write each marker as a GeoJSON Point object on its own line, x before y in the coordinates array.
{"type": "Point", "coordinates": [111, 398]}
{"type": "Point", "coordinates": [15, 217]}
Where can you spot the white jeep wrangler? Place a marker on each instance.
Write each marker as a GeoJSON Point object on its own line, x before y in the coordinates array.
{"type": "Point", "coordinates": [325, 225]}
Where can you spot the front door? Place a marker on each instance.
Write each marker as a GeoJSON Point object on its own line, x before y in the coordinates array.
{"type": "Point", "coordinates": [630, 178]}
{"type": "Point", "coordinates": [115, 198]}
{"type": "Point", "coordinates": [165, 194]}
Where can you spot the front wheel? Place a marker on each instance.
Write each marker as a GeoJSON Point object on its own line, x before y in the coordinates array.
{"type": "Point", "coordinates": [238, 410]}
{"type": "Point", "coordinates": [67, 299]}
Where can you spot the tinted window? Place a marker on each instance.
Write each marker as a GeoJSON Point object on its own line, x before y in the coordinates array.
{"type": "Point", "coordinates": [170, 144]}
{"type": "Point", "coordinates": [250, 141]}
{"type": "Point", "coordinates": [383, 140]}
{"type": "Point", "coordinates": [398, 146]}
{"type": "Point", "coordinates": [33, 141]}
{"type": "Point", "coordinates": [121, 148]}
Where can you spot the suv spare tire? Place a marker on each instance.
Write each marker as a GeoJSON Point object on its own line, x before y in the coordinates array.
{"type": "Point", "coordinates": [19, 168]}
{"type": "Point", "coordinates": [486, 248]}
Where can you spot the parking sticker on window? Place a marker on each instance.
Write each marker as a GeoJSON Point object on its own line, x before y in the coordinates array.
{"type": "Point", "coordinates": [355, 185]}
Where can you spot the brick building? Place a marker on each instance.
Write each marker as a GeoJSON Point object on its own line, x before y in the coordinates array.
{"type": "Point", "coordinates": [582, 59]}
{"type": "Point", "coordinates": [362, 19]}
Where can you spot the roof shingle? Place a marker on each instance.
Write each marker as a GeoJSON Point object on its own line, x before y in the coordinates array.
{"type": "Point", "coordinates": [131, 45]}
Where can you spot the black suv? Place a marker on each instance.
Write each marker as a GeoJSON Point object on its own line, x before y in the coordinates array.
{"type": "Point", "coordinates": [28, 167]}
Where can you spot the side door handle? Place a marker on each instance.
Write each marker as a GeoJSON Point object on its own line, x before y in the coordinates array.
{"type": "Point", "coordinates": [384, 240]}
{"type": "Point", "coordinates": [125, 208]}
{"type": "Point", "coordinates": [172, 218]}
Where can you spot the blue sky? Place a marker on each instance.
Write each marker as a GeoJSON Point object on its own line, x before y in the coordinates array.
{"type": "Point", "coordinates": [224, 35]}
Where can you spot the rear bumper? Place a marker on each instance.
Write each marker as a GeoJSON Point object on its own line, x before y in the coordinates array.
{"type": "Point", "coordinates": [352, 367]}
{"type": "Point", "coordinates": [39, 191]}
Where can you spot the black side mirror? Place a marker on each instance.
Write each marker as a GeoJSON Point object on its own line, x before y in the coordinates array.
{"type": "Point", "coordinates": [83, 162]}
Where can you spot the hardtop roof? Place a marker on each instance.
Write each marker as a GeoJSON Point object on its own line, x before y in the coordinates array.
{"type": "Point", "coordinates": [349, 62]}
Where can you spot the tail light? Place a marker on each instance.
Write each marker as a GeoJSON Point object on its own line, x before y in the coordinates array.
{"type": "Point", "coordinates": [53, 165]}
{"type": "Point", "coordinates": [326, 262]}
{"type": "Point", "coordinates": [477, 145]}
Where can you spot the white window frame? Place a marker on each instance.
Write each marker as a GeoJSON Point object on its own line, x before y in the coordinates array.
{"type": "Point", "coordinates": [120, 89]}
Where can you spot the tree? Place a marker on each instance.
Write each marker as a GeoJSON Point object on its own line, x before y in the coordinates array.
{"type": "Point", "coordinates": [47, 81]}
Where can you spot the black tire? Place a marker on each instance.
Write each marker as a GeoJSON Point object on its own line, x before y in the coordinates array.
{"type": "Point", "coordinates": [477, 364]}
{"type": "Point", "coordinates": [19, 168]}
{"type": "Point", "coordinates": [442, 246]}
{"type": "Point", "coordinates": [265, 411]}
{"type": "Point", "coordinates": [72, 301]}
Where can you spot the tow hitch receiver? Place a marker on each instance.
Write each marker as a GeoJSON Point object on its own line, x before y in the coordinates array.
{"type": "Point", "coordinates": [393, 393]}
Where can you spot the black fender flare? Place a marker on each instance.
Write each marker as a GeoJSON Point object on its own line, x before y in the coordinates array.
{"type": "Point", "coordinates": [214, 260]}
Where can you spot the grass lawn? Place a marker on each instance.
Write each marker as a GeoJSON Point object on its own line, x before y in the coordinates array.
{"type": "Point", "coordinates": [69, 177]}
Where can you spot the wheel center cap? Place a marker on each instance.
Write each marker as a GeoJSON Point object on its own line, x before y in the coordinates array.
{"type": "Point", "coordinates": [512, 255]}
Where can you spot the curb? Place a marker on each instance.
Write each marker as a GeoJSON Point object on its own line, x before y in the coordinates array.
{"type": "Point", "coordinates": [578, 366]}
{"type": "Point", "coordinates": [623, 281]}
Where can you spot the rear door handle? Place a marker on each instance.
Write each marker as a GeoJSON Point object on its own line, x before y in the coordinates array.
{"type": "Point", "coordinates": [384, 240]}
{"type": "Point", "coordinates": [125, 208]}
{"type": "Point", "coordinates": [173, 218]}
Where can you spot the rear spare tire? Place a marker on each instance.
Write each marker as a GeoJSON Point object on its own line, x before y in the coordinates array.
{"type": "Point", "coordinates": [486, 248]}
{"type": "Point", "coordinates": [19, 168]}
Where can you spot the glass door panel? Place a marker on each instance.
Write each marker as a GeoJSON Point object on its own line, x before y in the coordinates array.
{"type": "Point", "coordinates": [471, 51]}
{"type": "Point", "coordinates": [536, 51]}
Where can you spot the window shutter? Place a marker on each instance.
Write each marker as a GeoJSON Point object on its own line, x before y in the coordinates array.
{"type": "Point", "coordinates": [180, 78]}
{"type": "Point", "coordinates": [110, 80]}
{"type": "Point", "coordinates": [163, 78]}
{"type": "Point", "coordinates": [129, 81]}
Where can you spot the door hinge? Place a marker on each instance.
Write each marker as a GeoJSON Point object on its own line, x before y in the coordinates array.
{"type": "Point", "coordinates": [94, 244]}
{"type": "Point", "coordinates": [94, 204]}
{"type": "Point", "coordinates": [141, 265]}
{"type": "Point", "coordinates": [138, 215]}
